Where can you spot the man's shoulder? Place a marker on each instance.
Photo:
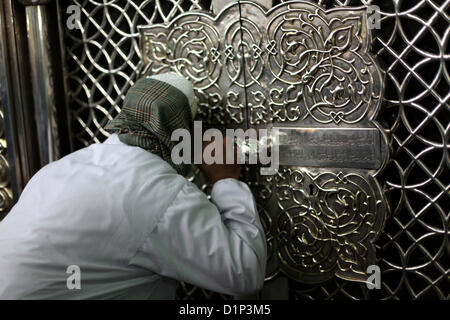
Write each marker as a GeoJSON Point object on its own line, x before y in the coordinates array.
{"type": "Point", "coordinates": [120, 155]}
{"type": "Point", "coordinates": [112, 164]}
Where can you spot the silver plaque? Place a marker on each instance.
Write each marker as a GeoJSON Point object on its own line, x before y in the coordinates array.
{"type": "Point", "coordinates": [330, 147]}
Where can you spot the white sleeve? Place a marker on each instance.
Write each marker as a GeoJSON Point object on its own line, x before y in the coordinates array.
{"type": "Point", "coordinates": [219, 247]}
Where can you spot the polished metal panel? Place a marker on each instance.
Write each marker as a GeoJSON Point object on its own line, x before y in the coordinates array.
{"type": "Point", "coordinates": [295, 64]}
{"type": "Point", "coordinates": [309, 65]}
{"type": "Point", "coordinates": [204, 49]}
{"type": "Point", "coordinates": [104, 59]}
{"type": "Point", "coordinates": [29, 64]}
{"type": "Point", "coordinates": [42, 86]}
{"type": "Point", "coordinates": [6, 195]}
{"type": "Point", "coordinates": [219, 5]}
{"type": "Point", "coordinates": [325, 222]}
{"type": "Point", "coordinates": [34, 2]}
{"type": "Point", "coordinates": [17, 125]}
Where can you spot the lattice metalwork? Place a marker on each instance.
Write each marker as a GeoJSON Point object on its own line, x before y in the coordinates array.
{"type": "Point", "coordinates": [103, 60]}
{"type": "Point", "coordinates": [414, 248]}
{"type": "Point", "coordinates": [103, 57]}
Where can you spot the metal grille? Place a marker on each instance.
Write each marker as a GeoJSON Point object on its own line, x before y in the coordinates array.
{"type": "Point", "coordinates": [103, 60]}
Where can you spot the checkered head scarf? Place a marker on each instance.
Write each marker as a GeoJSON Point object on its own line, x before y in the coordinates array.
{"type": "Point", "coordinates": [153, 108]}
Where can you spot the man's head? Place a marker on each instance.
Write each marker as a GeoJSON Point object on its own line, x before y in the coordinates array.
{"type": "Point", "coordinates": [153, 108]}
{"type": "Point", "coordinates": [181, 84]}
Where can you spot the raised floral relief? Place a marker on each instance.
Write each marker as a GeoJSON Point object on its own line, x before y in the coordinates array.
{"type": "Point", "coordinates": [295, 65]}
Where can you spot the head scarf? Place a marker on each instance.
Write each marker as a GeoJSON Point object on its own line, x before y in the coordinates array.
{"type": "Point", "coordinates": [152, 110]}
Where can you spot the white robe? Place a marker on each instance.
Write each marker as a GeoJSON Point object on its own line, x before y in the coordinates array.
{"type": "Point", "coordinates": [132, 226]}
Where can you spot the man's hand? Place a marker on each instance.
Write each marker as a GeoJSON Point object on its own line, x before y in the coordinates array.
{"type": "Point", "coordinates": [217, 171]}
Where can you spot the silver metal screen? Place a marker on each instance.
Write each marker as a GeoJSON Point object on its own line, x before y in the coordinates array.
{"type": "Point", "coordinates": [103, 60]}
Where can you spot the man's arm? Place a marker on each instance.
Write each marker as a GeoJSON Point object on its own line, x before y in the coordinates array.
{"type": "Point", "coordinates": [219, 247]}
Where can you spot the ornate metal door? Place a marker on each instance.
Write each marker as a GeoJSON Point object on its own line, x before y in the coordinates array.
{"type": "Point", "coordinates": [362, 112]}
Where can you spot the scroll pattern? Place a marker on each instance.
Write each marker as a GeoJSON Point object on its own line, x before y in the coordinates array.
{"type": "Point", "coordinates": [305, 62]}
{"type": "Point", "coordinates": [206, 52]}
{"type": "Point", "coordinates": [297, 64]}
{"type": "Point", "coordinates": [325, 223]}
{"type": "Point", "coordinates": [103, 59]}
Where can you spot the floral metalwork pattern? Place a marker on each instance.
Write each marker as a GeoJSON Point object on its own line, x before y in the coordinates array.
{"type": "Point", "coordinates": [305, 61]}
{"type": "Point", "coordinates": [325, 224]}
{"type": "Point", "coordinates": [204, 50]}
{"type": "Point", "coordinates": [103, 59]}
{"type": "Point", "coordinates": [6, 196]}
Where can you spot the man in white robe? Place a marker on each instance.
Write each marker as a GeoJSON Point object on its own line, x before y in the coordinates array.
{"type": "Point", "coordinates": [117, 220]}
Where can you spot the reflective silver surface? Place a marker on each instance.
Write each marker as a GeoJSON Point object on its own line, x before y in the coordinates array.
{"type": "Point", "coordinates": [29, 58]}
{"type": "Point", "coordinates": [413, 251]}
{"type": "Point", "coordinates": [205, 49]}
{"type": "Point", "coordinates": [6, 194]}
{"type": "Point", "coordinates": [294, 65]}
{"type": "Point", "coordinates": [18, 163]}
{"type": "Point", "coordinates": [42, 86]}
{"type": "Point", "coordinates": [330, 147]}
